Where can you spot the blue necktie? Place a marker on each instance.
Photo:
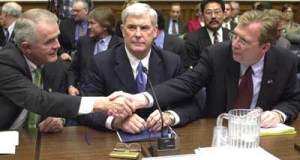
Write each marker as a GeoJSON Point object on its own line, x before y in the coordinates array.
{"type": "Point", "coordinates": [141, 79]}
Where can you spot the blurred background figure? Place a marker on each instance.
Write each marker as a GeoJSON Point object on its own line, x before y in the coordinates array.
{"type": "Point", "coordinates": [254, 5]}
{"type": "Point", "coordinates": [2, 33]}
{"type": "Point", "coordinates": [196, 23]}
{"type": "Point", "coordinates": [292, 29]}
{"type": "Point", "coordinates": [173, 25]}
{"type": "Point", "coordinates": [263, 6]}
{"type": "Point", "coordinates": [235, 11]}
{"type": "Point", "coordinates": [228, 23]}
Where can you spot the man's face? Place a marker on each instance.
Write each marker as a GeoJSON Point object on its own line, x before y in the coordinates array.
{"type": "Point", "coordinates": [245, 44]}
{"type": "Point", "coordinates": [288, 14]}
{"type": "Point", "coordinates": [175, 12]}
{"type": "Point", "coordinates": [138, 33]}
{"type": "Point", "coordinates": [79, 13]}
{"type": "Point", "coordinates": [227, 12]}
{"type": "Point", "coordinates": [213, 16]}
{"type": "Point", "coordinates": [95, 29]}
{"type": "Point", "coordinates": [3, 17]}
{"type": "Point", "coordinates": [234, 10]}
{"type": "Point", "coordinates": [45, 50]}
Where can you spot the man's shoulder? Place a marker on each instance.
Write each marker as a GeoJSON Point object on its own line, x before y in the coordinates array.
{"type": "Point", "coordinates": [201, 32]}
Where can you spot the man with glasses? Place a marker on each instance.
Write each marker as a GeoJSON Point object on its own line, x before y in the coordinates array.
{"type": "Point", "coordinates": [248, 69]}
{"type": "Point", "coordinates": [211, 33]}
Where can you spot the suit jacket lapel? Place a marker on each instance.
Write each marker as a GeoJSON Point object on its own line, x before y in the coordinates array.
{"type": "Point", "coordinates": [124, 70]}
{"type": "Point", "coordinates": [155, 70]}
{"type": "Point", "coordinates": [204, 39]}
{"type": "Point", "coordinates": [168, 43]}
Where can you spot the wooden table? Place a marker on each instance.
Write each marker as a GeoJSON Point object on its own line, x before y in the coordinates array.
{"type": "Point", "coordinates": [27, 148]}
{"type": "Point", "coordinates": [71, 144]}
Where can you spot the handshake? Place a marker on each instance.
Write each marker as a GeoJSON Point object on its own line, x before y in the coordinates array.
{"type": "Point", "coordinates": [120, 104]}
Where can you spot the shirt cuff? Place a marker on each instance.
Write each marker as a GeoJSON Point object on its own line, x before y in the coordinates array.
{"type": "Point", "coordinates": [283, 114]}
{"type": "Point", "coordinates": [86, 105]}
{"type": "Point", "coordinates": [177, 118]}
{"type": "Point", "coordinates": [108, 122]}
{"type": "Point", "coordinates": [150, 99]}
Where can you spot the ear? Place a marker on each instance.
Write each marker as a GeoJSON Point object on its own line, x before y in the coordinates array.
{"type": "Point", "coordinates": [26, 48]}
{"type": "Point", "coordinates": [265, 48]}
{"type": "Point", "coordinates": [122, 27]}
{"type": "Point", "coordinates": [155, 31]}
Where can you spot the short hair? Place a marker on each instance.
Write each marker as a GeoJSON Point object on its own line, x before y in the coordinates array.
{"type": "Point", "coordinates": [105, 17]}
{"type": "Point", "coordinates": [197, 7]}
{"type": "Point", "coordinates": [12, 9]}
{"type": "Point", "coordinates": [264, 5]}
{"type": "Point", "coordinates": [287, 6]}
{"type": "Point", "coordinates": [275, 14]}
{"type": "Point", "coordinates": [129, 2]}
{"type": "Point", "coordinates": [160, 19]}
{"type": "Point", "coordinates": [268, 28]}
{"type": "Point", "coordinates": [139, 9]}
{"type": "Point", "coordinates": [205, 2]}
{"type": "Point", "coordinates": [25, 27]}
{"type": "Point", "coordinates": [85, 4]}
{"type": "Point", "coordinates": [237, 4]}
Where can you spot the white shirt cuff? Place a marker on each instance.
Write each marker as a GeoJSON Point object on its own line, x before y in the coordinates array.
{"type": "Point", "coordinates": [108, 122]}
{"type": "Point", "coordinates": [150, 99]}
{"type": "Point", "coordinates": [177, 119]}
{"type": "Point", "coordinates": [86, 105]}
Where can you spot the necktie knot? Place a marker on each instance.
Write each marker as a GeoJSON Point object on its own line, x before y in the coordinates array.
{"type": "Point", "coordinates": [140, 78]}
{"type": "Point", "coordinates": [174, 29]}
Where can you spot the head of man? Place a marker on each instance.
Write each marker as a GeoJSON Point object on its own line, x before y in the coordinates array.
{"type": "Point", "coordinates": [160, 19]}
{"type": "Point", "coordinates": [254, 5]}
{"type": "Point", "coordinates": [139, 28]}
{"type": "Point", "coordinates": [227, 12]}
{"type": "Point", "coordinates": [10, 12]}
{"type": "Point", "coordinates": [36, 34]}
{"type": "Point", "coordinates": [128, 3]}
{"type": "Point", "coordinates": [175, 11]}
{"type": "Point", "coordinates": [101, 22]}
{"type": "Point", "coordinates": [80, 10]}
{"type": "Point", "coordinates": [213, 13]}
{"type": "Point", "coordinates": [288, 11]}
{"type": "Point", "coordinates": [264, 6]}
{"type": "Point", "coordinates": [235, 9]}
{"type": "Point", "coordinates": [277, 15]}
{"type": "Point", "coordinates": [253, 37]}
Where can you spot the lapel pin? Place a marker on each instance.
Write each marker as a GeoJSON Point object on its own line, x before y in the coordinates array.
{"type": "Point", "coordinates": [49, 90]}
{"type": "Point", "coordinates": [270, 81]}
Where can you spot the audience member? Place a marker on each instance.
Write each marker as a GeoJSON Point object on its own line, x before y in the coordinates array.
{"type": "Point", "coordinates": [292, 28]}
{"type": "Point", "coordinates": [3, 32]}
{"type": "Point", "coordinates": [264, 6]}
{"type": "Point", "coordinates": [120, 68]}
{"type": "Point", "coordinates": [235, 11]}
{"type": "Point", "coordinates": [254, 5]}
{"type": "Point", "coordinates": [173, 25]}
{"type": "Point", "coordinates": [227, 22]}
{"type": "Point", "coordinates": [64, 7]}
{"type": "Point", "coordinates": [195, 24]}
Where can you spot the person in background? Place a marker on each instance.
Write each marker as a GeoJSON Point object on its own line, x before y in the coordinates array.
{"type": "Point", "coordinates": [121, 68]}
{"type": "Point", "coordinates": [292, 28]}
{"type": "Point", "coordinates": [195, 24]}
{"type": "Point", "coordinates": [254, 5]}
{"type": "Point", "coordinates": [3, 32]}
{"type": "Point", "coordinates": [235, 11]}
{"type": "Point", "coordinates": [36, 35]}
{"type": "Point", "coordinates": [262, 6]}
{"type": "Point", "coordinates": [246, 72]}
{"type": "Point", "coordinates": [63, 8]}
{"type": "Point", "coordinates": [227, 22]}
{"type": "Point", "coordinates": [173, 24]}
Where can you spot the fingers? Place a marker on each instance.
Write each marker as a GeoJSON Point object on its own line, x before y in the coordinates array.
{"type": "Point", "coordinates": [134, 124]}
{"type": "Point", "coordinates": [269, 119]}
{"type": "Point", "coordinates": [115, 95]}
{"type": "Point", "coordinates": [73, 91]}
{"type": "Point", "coordinates": [154, 121]}
{"type": "Point", "coordinates": [65, 56]}
{"type": "Point", "coordinates": [51, 124]}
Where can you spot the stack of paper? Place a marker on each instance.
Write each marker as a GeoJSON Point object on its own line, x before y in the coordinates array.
{"type": "Point", "coordinates": [281, 129]}
{"type": "Point", "coordinates": [8, 142]}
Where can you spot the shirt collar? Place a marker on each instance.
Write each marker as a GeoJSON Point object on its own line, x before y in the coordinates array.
{"type": "Point", "coordinates": [159, 40]}
{"type": "Point", "coordinates": [11, 28]}
{"type": "Point", "coordinates": [135, 61]}
{"type": "Point", "coordinates": [256, 67]}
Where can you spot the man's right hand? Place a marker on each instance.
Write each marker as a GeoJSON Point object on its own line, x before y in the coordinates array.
{"type": "Point", "coordinates": [65, 57]}
{"type": "Point", "coordinates": [133, 124]}
{"type": "Point", "coordinates": [73, 91]}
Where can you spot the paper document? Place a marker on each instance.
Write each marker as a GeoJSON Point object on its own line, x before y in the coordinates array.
{"type": "Point", "coordinates": [209, 153]}
{"type": "Point", "coordinates": [281, 129]}
{"type": "Point", "coordinates": [176, 157]}
{"type": "Point", "coordinates": [8, 142]}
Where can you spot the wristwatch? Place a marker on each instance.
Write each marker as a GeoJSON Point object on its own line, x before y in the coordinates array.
{"type": "Point", "coordinates": [172, 118]}
{"type": "Point", "coordinates": [280, 116]}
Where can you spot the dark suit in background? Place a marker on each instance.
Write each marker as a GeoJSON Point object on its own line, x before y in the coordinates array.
{"type": "Point", "coordinates": [196, 42]}
{"type": "Point", "coordinates": [219, 73]}
{"type": "Point", "coordinates": [81, 61]}
{"type": "Point", "coordinates": [111, 71]}
{"type": "Point", "coordinates": [182, 26]}
{"type": "Point", "coordinates": [66, 38]}
{"type": "Point", "coordinates": [17, 90]}
{"type": "Point", "coordinates": [2, 37]}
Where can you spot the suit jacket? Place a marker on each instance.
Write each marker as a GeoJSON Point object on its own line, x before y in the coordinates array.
{"type": "Point", "coordinates": [111, 71]}
{"type": "Point", "coordinates": [196, 42]}
{"type": "Point", "coordinates": [174, 44]}
{"type": "Point", "coordinates": [81, 61]}
{"type": "Point", "coordinates": [182, 26]}
{"type": "Point", "coordinates": [17, 90]}
{"type": "Point", "coordinates": [293, 33]}
{"type": "Point", "coordinates": [283, 42]}
{"type": "Point", "coordinates": [2, 37]}
{"type": "Point", "coordinates": [219, 73]}
{"type": "Point", "coordinates": [193, 25]}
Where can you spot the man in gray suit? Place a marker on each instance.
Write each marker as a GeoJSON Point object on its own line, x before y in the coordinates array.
{"type": "Point", "coordinates": [173, 25]}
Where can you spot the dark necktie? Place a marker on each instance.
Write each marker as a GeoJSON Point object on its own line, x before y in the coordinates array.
{"type": "Point", "coordinates": [7, 37]}
{"type": "Point", "coordinates": [32, 118]}
{"type": "Point", "coordinates": [215, 34]}
{"type": "Point", "coordinates": [174, 31]}
{"type": "Point", "coordinates": [245, 92]}
{"type": "Point", "coordinates": [81, 30]}
{"type": "Point", "coordinates": [140, 78]}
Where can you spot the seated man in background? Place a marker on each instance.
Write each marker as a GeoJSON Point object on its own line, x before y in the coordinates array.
{"type": "Point", "coordinates": [173, 25]}
{"type": "Point", "coordinates": [122, 68]}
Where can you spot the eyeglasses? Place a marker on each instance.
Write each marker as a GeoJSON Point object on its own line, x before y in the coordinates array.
{"type": "Point", "coordinates": [211, 12]}
{"type": "Point", "coordinates": [131, 147]}
{"type": "Point", "coordinates": [241, 42]}
{"type": "Point", "coordinates": [76, 10]}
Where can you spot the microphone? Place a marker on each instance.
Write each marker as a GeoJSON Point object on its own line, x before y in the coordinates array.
{"type": "Point", "coordinates": [167, 144]}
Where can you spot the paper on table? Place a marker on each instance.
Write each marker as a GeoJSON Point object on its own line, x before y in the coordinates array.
{"type": "Point", "coordinates": [9, 140]}
{"type": "Point", "coordinates": [281, 129]}
{"type": "Point", "coordinates": [176, 157]}
{"type": "Point", "coordinates": [209, 153]}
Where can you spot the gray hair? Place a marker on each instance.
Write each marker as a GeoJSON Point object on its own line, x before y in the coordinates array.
{"type": "Point", "coordinates": [85, 4]}
{"type": "Point", "coordinates": [12, 9]}
{"type": "Point", "coordinates": [139, 9]}
{"type": "Point", "coordinates": [25, 27]}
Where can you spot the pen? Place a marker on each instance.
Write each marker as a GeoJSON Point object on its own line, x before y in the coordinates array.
{"type": "Point", "coordinates": [87, 138]}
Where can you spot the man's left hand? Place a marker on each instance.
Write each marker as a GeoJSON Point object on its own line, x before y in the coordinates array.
{"type": "Point", "coordinates": [51, 124]}
{"type": "Point", "coordinates": [270, 119]}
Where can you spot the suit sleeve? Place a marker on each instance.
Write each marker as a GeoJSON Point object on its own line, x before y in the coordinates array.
{"type": "Point", "coordinates": [192, 50]}
{"type": "Point", "coordinates": [74, 70]}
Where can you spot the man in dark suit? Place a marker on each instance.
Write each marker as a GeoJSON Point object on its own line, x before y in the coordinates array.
{"type": "Point", "coordinates": [227, 22]}
{"type": "Point", "coordinates": [36, 46]}
{"type": "Point", "coordinates": [212, 32]}
{"type": "Point", "coordinates": [71, 29]}
{"type": "Point", "coordinates": [100, 38]}
{"type": "Point", "coordinates": [166, 41]}
{"type": "Point", "coordinates": [221, 68]}
{"type": "Point", "coordinates": [116, 69]}
{"type": "Point", "coordinates": [180, 26]}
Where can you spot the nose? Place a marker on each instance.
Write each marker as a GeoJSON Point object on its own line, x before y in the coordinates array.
{"type": "Point", "coordinates": [138, 32]}
{"type": "Point", "coordinates": [234, 43]}
{"type": "Point", "coordinates": [56, 44]}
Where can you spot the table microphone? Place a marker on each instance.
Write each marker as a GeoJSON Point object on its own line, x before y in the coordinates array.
{"type": "Point", "coordinates": [163, 142]}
